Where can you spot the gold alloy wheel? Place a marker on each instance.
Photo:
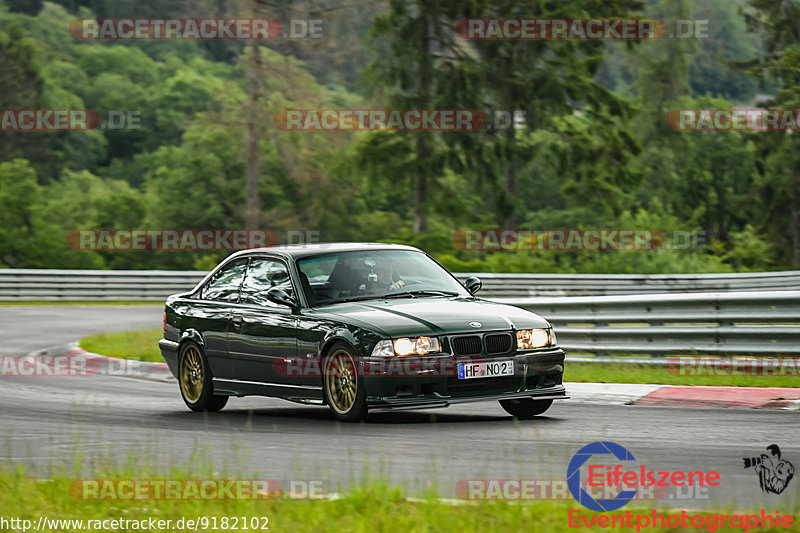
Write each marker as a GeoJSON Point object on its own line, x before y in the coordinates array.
{"type": "Point", "coordinates": [341, 381]}
{"type": "Point", "coordinates": [191, 374]}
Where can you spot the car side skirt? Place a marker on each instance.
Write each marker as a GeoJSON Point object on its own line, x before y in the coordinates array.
{"type": "Point", "coordinates": [306, 394]}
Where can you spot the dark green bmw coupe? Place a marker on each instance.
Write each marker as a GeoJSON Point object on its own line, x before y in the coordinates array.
{"type": "Point", "coordinates": [356, 327]}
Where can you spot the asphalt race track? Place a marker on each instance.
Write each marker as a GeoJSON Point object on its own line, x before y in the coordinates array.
{"type": "Point", "coordinates": [46, 421]}
{"type": "Point", "coordinates": [30, 329]}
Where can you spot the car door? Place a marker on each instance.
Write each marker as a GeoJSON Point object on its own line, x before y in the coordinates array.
{"type": "Point", "coordinates": [263, 335]}
{"type": "Point", "coordinates": [210, 314]}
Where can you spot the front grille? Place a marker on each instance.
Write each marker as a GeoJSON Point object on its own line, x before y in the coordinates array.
{"type": "Point", "coordinates": [466, 345]}
{"type": "Point", "coordinates": [498, 344]}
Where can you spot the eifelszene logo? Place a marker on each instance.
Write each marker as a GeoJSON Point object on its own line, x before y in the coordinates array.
{"type": "Point", "coordinates": [614, 477]}
{"type": "Point", "coordinates": [574, 476]}
{"type": "Point", "coordinates": [774, 472]}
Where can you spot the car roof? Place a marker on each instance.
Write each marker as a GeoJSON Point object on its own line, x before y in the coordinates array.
{"type": "Point", "coordinates": [296, 251]}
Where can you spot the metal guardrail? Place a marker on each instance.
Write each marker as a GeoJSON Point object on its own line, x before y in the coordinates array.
{"type": "Point", "coordinates": [756, 322]}
{"type": "Point", "coordinates": [735, 323]}
{"type": "Point", "coordinates": [610, 284]}
{"type": "Point", "coordinates": [82, 285]}
{"type": "Point", "coordinates": [35, 284]}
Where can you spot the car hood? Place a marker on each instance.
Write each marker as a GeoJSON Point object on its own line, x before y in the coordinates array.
{"type": "Point", "coordinates": [436, 316]}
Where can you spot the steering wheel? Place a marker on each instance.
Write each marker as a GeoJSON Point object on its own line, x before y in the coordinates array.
{"type": "Point", "coordinates": [405, 284]}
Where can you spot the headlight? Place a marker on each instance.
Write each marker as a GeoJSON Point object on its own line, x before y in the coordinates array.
{"type": "Point", "coordinates": [528, 339]}
{"type": "Point", "coordinates": [404, 346]}
{"type": "Point", "coordinates": [383, 349]}
{"type": "Point", "coordinates": [419, 346]}
{"type": "Point", "coordinates": [407, 346]}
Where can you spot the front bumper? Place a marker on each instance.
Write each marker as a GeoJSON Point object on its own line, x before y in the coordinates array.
{"type": "Point", "coordinates": [169, 351]}
{"type": "Point", "coordinates": [396, 404]}
{"type": "Point", "coordinates": [537, 375]}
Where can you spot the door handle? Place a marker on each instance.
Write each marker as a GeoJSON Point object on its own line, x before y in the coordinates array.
{"type": "Point", "coordinates": [237, 320]}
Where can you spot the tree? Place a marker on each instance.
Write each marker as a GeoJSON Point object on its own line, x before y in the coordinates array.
{"type": "Point", "coordinates": [415, 37]}
{"type": "Point", "coordinates": [545, 78]}
{"type": "Point", "coordinates": [19, 193]}
{"type": "Point", "coordinates": [22, 87]}
{"type": "Point", "coordinates": [252, 209]}
{"type": "Point", "coordinates": [780, 174]}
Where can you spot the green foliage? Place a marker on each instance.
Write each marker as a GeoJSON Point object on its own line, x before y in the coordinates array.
{"type": "Point", "coordinates": [18, 224]}
{"type": "Point", "coordinates": [595, 151]}
{"type": "Point", "coordinates": [31, 234]}
{"type": "Point", "coordinates": [778, 183]}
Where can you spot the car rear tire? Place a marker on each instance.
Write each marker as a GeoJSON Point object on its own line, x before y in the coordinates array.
{"type": "Point", "coordinates": [525, 408]}
{"type": "Point", "coordinates": [344, 390]}
{"type": "Point", "coordinates": [194, 380]}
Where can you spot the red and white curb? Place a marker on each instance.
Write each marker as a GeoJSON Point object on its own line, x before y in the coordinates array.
{"type": "Point", "coordinates": [130, 368]}
{"type": "Point", "coordinates": [685, 396]}
{"type": "Point", "coordinates": [103, 365]}
{"type": "Point", "coordinates": [608, 393]}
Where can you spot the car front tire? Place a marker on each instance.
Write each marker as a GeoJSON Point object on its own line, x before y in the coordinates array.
{"type": "Point", "coordinates": [194, 379]}
{"type": "Point", "coordinates": [344, 390]}
{"type": "Point", "coordinates": [525, 408]}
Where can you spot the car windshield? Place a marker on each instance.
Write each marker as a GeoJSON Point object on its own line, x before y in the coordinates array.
{"type": "Point", "coordinates": [348, 276]}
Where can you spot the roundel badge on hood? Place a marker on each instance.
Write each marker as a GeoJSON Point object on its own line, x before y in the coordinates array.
{"type": "Point", "coordinates": [475, 324]}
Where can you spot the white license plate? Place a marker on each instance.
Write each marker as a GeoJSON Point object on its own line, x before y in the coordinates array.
{"type": "Point", "coordinates": [491, 369]}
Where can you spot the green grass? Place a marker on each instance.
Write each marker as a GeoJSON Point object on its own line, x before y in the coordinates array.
{"type": "Point", "coordinates": [634, 373]}
{"type": "Point", "coordinates": [371, 507]}
{"type": "Point", "coordinates": [141, 345]}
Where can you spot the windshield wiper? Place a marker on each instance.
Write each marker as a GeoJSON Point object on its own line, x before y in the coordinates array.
{"type": "Point", "coordinates": [412, 294]}
{"type": "Point", "coordinates": [356, 299]}
{"type": "Point", "coordinates": [404, 294]}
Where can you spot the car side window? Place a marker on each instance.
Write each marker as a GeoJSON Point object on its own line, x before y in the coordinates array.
{"type": "Point", "coordinates": [225, 284]}
{"type": "Point", "coordinates": [263, 274]}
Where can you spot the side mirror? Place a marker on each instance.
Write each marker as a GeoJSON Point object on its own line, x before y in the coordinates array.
{"type": "Point", "coordinates": [473, 284]}
{"type": "Point", "coordinates": [281, 297]}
